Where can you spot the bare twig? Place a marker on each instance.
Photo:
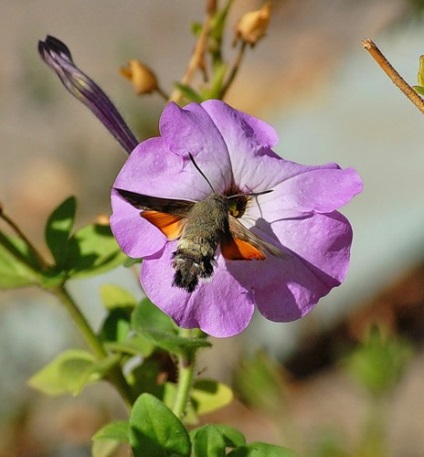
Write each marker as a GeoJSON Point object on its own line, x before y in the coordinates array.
{"type": "Point", "coordinates": [197, 60]}
{"type": "Point", "coordinates": [397, 79]}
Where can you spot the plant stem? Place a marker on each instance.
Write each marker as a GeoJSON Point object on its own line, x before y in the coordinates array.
{"type": "Point", "coordinates": [234, 69]}
{"type": "Point", "coordinates": [397, 79]}
{"type": "Point", "coordinates": [115, 376]}
{"type": "Point", "coordinates": [197, 60]}
{"type": "Point", "coordinates": [186, 366]}
{"type": "Point", "coordinates": [12, 224]}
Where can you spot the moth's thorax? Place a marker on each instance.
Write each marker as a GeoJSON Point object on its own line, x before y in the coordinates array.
{"type": "Point", "coordinates": [208, 218]}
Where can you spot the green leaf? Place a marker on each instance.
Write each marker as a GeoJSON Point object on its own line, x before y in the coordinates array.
{"type": "Point", "coordinates": [261, 450]}
{"type": "Point", "coordinates": [58, 229]}
{"type": "Point", "coordinates": [208, 441]}
{"type": "Point", "coordinates": [379, 362]}
{"type": "Point", "coordinates": [419, 89]}
{"type": "Point", "coordinates": [116, 297]}
{"type": "Point", "coordinates": [420, 77]}
{"type": "Point", "coordinates": [133, 345]}
{"type": "Point", "coordinates": [174, 344]}
{"type": "Point", "coordinates": [189, 93]}
{"type": "Point", "coordinates": [62, 374]}
{"type": "Point", "coordinates": [18, 267]}
{"type": "Point", "coordinates": [146, 315]}
{"type": "Point", "coordinates": [259, 381]}
{"type": "Point", "coordinates": [232, 437]}
{"type": "Point", "coordinates": [93, 250]}
{"type": "Point", "coordinates": [151, 323]}
{"type": "Point", "coordinates": [117, 431]}
{"type": "Point", "coordinates": [70, 372]}
{"type": "Point", "coordinates": [155, 431]}
{"type": "Point", "coordinates": [116, 326]}
{"type": "Point", "coordinates": [208, 396]}
{"type": "Point", "coordinates": [104, 448]}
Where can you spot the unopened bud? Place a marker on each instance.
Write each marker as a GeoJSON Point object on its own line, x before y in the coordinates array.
{"type": "Point", "coordinates": [102, 219]}
{"type": "Point", "coordinates": [143, 79]}
{"type": "Point", "coordinates": [253, 26]}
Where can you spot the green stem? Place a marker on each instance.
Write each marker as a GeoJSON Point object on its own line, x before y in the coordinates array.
{"type": "Point", "coordinates": [234, 70]}
{"type": "Point", "coordinates": [115, 376]}
{"type": "Point", "coordinates": [40, 259]}
{"type": "Point", "coordinates": [186, 366]}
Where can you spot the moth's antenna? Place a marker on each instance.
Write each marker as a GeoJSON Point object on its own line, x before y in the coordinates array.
{"type": "Point", "coordinates": [253, 194]}
{"type": "Point", "coordinates": [201, 172]}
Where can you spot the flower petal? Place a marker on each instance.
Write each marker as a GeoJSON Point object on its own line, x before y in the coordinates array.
{"type": "Point", "coordinates": [311, 190]}
{"type": "Point", "coordinates": [287, 289]}
{"type": "Point", "coordinates": [221, 307]}
{"type": "Point", "coordinates": [191, 130]}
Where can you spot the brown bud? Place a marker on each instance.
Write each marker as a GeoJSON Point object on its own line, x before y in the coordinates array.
{"type": "Point", "coordinates": [253, 26]}
{"type": "Point", "coordinates": [102, 219]}
{"type": "Point", "coordinates": [143, 79]}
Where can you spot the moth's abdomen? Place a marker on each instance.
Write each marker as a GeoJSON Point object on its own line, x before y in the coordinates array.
{"type": "Point", "coordinates": [189, 268]}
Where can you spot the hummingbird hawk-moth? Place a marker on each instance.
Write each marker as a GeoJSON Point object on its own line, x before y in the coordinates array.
{"type": "Point", "coordinates": [201, 227]}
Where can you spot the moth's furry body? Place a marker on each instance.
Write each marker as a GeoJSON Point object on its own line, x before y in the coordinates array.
{"type": "Point", "coordinates": [206, 225]}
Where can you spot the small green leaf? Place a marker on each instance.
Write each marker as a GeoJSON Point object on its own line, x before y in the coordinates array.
{"type": "Point", "coordinates": [208, 441]}
{"type": "Point", "coordinates": [259, 381]}
{"type": "Point", "coordinates": [420, 77]}
{"type": "Point", "coordinates": [116, 297]}
{"type": "Point", "coordinates": [189, 93]}
{"type": "Point", "coordinates": [232, 437]}
{"type": "Point", "coordinates": [58, 229]}
{"type": "Point", "coordinates": [93, 250]}
{"type": "Point", "coordinates": [18, 268]}
{"type": "Point", "coordinates": [151, 323]}
{"type": "Point", "coordinates": [70, 372]}
{"type": "Point", "coordinates": [419, 89]}
{"type": "Point", "coordinates": [261, 450]}
{"type": "Point", "coordinates": [148, 316]}
{"type": "Point", "coordinates": [132, 345]}
{"type": "Point", "coordinates": [174, 344]}
{"type": "Point", "coordinates": [117, 431]}
{"type": "Point", "coordinates": [155, 431]}
{"type": "Point", "coordinates": [129, 262]}
{"type": "Point", "coordinates": [116, 326]}
{"type": "Point", "coordinates": [379, 362]}
{"type": "Point", "coordinates": [208, 396]}
{"type": "Point", "coordinates": [62, 374]}
{"type": "Point", "coordinates": [104, 448]}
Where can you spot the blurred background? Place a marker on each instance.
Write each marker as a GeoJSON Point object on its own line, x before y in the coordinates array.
{"type": "Point", "coordinates": [329, 101]}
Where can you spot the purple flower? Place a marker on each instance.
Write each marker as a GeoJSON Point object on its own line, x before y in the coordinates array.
{"type": "Point", "coordinates": [298, 218]}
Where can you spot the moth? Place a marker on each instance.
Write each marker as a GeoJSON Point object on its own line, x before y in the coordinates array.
{"type": "Point", "coordinates": [201, 227]}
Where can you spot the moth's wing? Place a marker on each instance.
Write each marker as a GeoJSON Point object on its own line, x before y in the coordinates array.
{"type": "Point", "coordinates": [242, 244]}
{"type": "Point", "coordinates": [168, 215]}
{"type": "Point", "coordinates": [164, 205]}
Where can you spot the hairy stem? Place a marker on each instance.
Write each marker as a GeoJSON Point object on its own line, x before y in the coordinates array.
{"type": "Point", "coordinates": [186, 366]}
{"type": "Point", "coordinates": [390, 71]}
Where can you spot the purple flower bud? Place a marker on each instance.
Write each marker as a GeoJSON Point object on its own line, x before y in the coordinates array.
{"type": "Point", "coordinates": [57, 55]}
